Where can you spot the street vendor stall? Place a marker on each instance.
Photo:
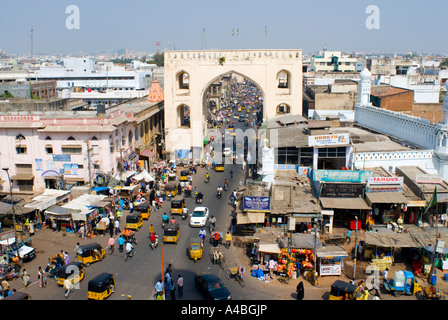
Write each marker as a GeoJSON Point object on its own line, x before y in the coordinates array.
{"type": "Point", "coordinates": [329, 260]}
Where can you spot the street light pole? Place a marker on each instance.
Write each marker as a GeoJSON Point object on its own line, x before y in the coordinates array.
{"type": "Point", "coordinates": [13, 212]}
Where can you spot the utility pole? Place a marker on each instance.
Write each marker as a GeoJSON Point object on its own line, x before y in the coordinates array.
{"type": "Point", "coordinates": [88, 163]}
{"type": "Point", "coordinates": [32, 43]}
{"type": "Point", "coordinates": [356, 249]}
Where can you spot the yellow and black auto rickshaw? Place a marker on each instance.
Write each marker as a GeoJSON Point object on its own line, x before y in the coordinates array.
{"type": "Point", "coordinates": [171, 233]}
{"type": "Point", "coordinates": [90, 253]}
{"type": "Point", "coordinates": [134, 221]}
{"type": "Point", "coordinates": [195, 249]}
{"type": "Point", "coordinates": [101, 287]}
{"type": "Point", "coordinates": [177, 206]}
{"type": "Point", "coordinates": [144, 209]}
{"type": "Point", "coordinates": [341, 290]}
{"type": "Point", "coordinates": [18, 295]}
{"type": "Point", "coordinates": [184, 175]}
{"type": "Point", "coordinates": [171, 188]}
{"type": "Point", "coordinates": [219, 167]}
{"type": "Point", "coordinates": [73, 270]}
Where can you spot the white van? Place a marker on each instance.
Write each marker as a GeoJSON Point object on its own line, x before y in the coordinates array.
{"type": "Point", "coordinates": [9, 248]}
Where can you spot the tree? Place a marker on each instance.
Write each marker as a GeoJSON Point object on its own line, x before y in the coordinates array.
{"type": "Point", "coordinates": [444, 63]}
{"type": "Point", "coordinates": [158, 59]}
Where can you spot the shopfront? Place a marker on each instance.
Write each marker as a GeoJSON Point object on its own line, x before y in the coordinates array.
{"type": "Point", "coordinates": [330, 260]}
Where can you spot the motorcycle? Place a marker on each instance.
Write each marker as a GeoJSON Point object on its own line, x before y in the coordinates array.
{"type": "Point", "coordinates": [199, 200]}
{"type": "Point", "coordinates": [207, 180]}
{"type": "Point", "coordinates": [154, 244]}
{"type": "Point", "coordinates": [219, 194]}
{"type": "Point", "coordinates": [184, 215]}
{"type": "Point", "coordinates": [226, 186]}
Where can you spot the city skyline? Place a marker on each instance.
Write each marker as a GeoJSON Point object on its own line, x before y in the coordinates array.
{"type": "Point", "coordinates": [107, 26]}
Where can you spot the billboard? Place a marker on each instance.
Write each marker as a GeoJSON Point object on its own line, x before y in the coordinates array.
{"type": "Point", "coordinates": [329, 140]}
{"type": "Point", "coordinates": [259, 204]}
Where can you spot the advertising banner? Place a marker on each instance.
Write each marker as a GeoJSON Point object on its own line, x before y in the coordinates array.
{"type": "Point", "coordinates": [259, 204]}
{"type": "Point", "coordinates": [329, 140]}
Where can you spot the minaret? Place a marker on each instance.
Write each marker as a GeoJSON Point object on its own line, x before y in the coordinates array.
{"type": "Point", "coordinates": [364, 87]}
{"type": "Point", "coordinates": [445, 106]}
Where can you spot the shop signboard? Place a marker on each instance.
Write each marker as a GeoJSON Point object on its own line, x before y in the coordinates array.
{"type": "Point", "coordinates": [62, 157]}
{"type": "Point", "coordinates": [258, 204]}
{"type": "Point", "coordinates": [330, 270]}
{"type": "Point", "coordinates": [342, 190]}
{"type": "Point", "coordinates": [329, 140]}
{"type": "Point", "coordinates": [385, 180]}
{"type": "Point", "coordinates": [342, 175]}
{"type": "Point", "coordinates": [385, 188]}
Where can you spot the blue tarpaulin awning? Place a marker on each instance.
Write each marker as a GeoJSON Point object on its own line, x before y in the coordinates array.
{"type": "Point", "coordinates": [99, 189]}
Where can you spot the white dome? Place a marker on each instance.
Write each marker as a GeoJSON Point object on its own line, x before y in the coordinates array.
{"type": "Point", "coordinates": [365, 74]}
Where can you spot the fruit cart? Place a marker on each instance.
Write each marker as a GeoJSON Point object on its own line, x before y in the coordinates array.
{"type": "Point", "coordinates": [432, 293]}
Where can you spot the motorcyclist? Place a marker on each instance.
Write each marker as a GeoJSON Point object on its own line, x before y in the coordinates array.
{"type": "Point", "coordinates": [154, 240]}
{"type": "Point", "coordinates": [202, 234]}
{"type": "Point", "coordinates": [129, 250]}
{"type": "Point", "coordinates": [184, 213]}
{"type": "Point", "coordinates": [212, 223]}
{"type": "Point", "coordinates": [219, 191]}
{"type": "Point", "coordinates": [165, 218]}
{"type": "Point", "coordinates": [207, 176]}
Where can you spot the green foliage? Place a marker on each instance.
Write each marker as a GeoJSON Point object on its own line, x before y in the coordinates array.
{"type": "Point", "coordinates": [158, 59]}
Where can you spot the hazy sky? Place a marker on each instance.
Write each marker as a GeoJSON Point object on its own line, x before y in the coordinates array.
{"type": "Point", "coordinates": [404, 25]}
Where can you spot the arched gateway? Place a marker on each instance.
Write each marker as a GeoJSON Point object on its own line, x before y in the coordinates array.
{"type": "Point", "coordinates": [188, 74]}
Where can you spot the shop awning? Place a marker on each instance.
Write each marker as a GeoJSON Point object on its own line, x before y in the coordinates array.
{"type": "Point", "coordinates": [99, 189]}
{"type": "Point", "coordinates": [305, 217]}
{"type": "Point", "coordinates": [144, 175]}
{"type": "Point", "coordinates": [331, 251]}
{"type": "Point", "coordinates": [250, 217]}
{"type": "Point", "coordinates": [83, 205]}
{"type": "Point", "coordinates": [47, 199]}
{"type": "Point", "coordinates": [301, 241]}
{"type": "Point", "coordinates": [269, 248]}
{"type": "Point", "coordinates": [400, 240]}
{"type": "Point", "coordinates": [22, 176]}
{"type": "Point", "coordinates": [60, 213]}
{"type": "Point", "coordinates": [147, 153]}
{"type": "Point", "coordinates": [386, 197]}
{"type": "Point", "coordinates": [345, 203]}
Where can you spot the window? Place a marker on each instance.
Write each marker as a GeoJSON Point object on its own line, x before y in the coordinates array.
{"type": "Point", "coordinates": [71, 138]}
{"type": "Point", "coordinates": [20, 137]}
{"type": "Point", "coordinates": [287, 155]}
{"type": "Point", "coordinates": [71, 150]}
{"type": "Point", "coordinates": [21, 149]}
{"type": "Point", "coordinates": [47, 138]}
{"type": "Point", "coordinates": [283, 108]}
{"type": "Point", "coordinates": [49, 149]}
{"type": "Point", "coordinates": [184, 116]}
{"type": "Point", "coordinates": [283, 79]}
{"type": "Point", "coordinates": [183, 80]}
{"type": "Point", "coordinates": [332, 152]}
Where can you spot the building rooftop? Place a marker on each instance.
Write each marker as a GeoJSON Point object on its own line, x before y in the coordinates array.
{"type": "Point", "coordinates": [386, 90]}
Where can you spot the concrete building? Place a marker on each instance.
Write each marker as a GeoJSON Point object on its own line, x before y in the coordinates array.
{"type": "Point", "coordinates": [56, 149]}
{"type": "Point", "coordinates": [31, 89]}
{"type": "Point", "coordinates": [328, 61]}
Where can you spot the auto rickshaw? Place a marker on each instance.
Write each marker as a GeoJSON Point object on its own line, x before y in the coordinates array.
{"type": "Point", "coordinates": [134, 221]}
{"type": "Point", "coordinates": [144, 209]}
{"type": "Point", "coordinates": [195, 248]}
{"type": "Point", "coordinates": [19, 295]}
{"type": "Point", "coordinates": [101, 287]}
{"type": "Point", "coordinates": [74, 269]}
{"type": "Point", "coordinates": [341, 290]}
{"type": "Point", "coordinates": [184, 175]}
{"type": "Point", "coordinates": [171, 233]}
{"type": "Point", "coordinates": [90, 253]}
{"type": "Point", "coordinates": [171, 189]}
{"type": "Point", "coordinates": [177, 206]}
{"type": "Point", "coordinates": [219, 167]}
{"type": "Point", "coordinates": [404, 283]}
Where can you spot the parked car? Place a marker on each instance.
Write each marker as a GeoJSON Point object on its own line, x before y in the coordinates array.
{"type": "Point", "coordinates": [199, 217]}
{"type": "Point", "coordinates": [212, 287]}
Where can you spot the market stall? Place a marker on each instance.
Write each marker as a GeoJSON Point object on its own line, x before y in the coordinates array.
{"type": "Point", "coordinates": [329, 260]}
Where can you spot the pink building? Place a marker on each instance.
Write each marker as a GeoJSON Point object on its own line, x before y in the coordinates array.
{"type": "Point", "coordinates": [64, 147]}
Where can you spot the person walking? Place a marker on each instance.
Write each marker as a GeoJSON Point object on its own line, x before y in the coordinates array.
{"type": "Point", "coordinates": [159, 288]}
{"type": "Point", "coordinates": [120, 243]}
{"type": "Point", "coordinates": [233, 225]}
{"type": "Point", "coordinates": [228, 239]}
{"type": "Point", "coordinates": [300, 289]}
{"type": "Point", "coordinates": [172, 289]}
{"type": "Point", "coordinates": [67, 287]}
{"type": "Point", "coordinates": [42, 277]}
{"type": "Point", "coordinates": [111, 244]}
{"type": "Point", "coordinates": [348, 236]}
{"type": "Point", "coordinates": [167, 288]}
{"type": "Point", "coordinates": [117, 226]}
{"type": "Point", "coordinates": [25, 278]}
{"type": "Point", "coordinates": [180, 286]}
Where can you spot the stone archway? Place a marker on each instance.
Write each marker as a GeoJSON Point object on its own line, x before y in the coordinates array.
{"type": "Point", "coordinates": [266, 68]}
